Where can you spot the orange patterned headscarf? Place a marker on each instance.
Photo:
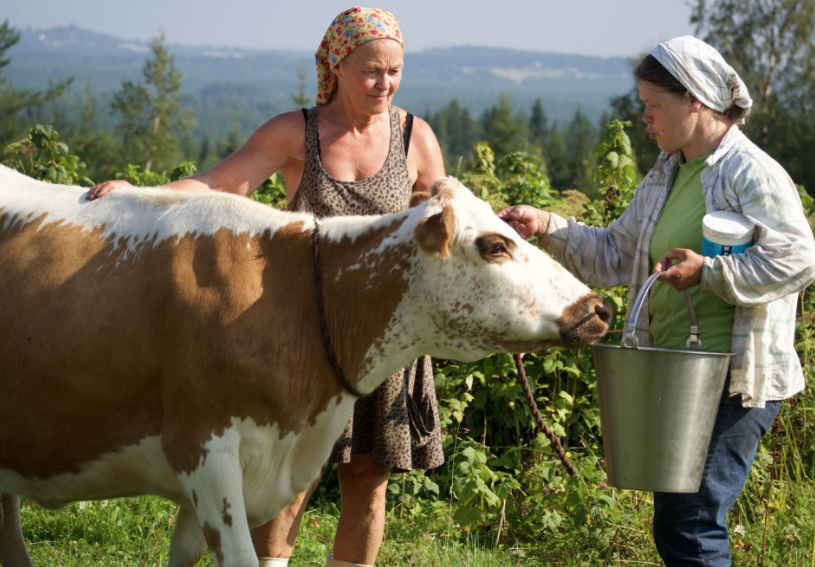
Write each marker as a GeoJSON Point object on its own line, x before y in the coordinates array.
{"type": "Point", "coordinates": [348, 31]}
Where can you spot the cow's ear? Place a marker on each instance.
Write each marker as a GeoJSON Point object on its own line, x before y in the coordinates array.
{"type": "Point", "coordinates": [418, 198]}
{"type": "Point", "coordinates": [444, 187]}
{"type": "Point", "coordinates": [435, 233]}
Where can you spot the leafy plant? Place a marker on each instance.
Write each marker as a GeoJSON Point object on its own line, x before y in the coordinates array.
{"type": "Point", "coordinates": [272, 192]}
{"type": "Point", "coordinates": [133, 174]}
{"type": "Point", "coordinates": [615, 172]}
{"type": "Point", "coordinates": [42, 156]}
{"type": "Point", "coordinates": [517, 178]}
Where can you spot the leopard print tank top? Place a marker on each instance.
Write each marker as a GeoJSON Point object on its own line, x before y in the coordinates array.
{"type": "Point", "coordinates": [397, 424]}
{"type": "Point", "coordinates": [387, 191]}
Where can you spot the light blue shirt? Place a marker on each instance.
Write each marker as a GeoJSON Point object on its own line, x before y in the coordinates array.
{"type": "Point", "coordinates": [763, 282]}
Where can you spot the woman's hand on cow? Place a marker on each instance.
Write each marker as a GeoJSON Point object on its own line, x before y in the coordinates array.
{"type": "Point", "coordinates": [102, 189]}
{"type": "Point", "coordinates": [527, 221]}
{"type": "Point", "coordinates": [684, 274]}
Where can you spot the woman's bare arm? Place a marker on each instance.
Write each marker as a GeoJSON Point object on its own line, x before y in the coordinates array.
{"type": "Point", "coordinates": [274, 144]}
{"type": "Point", "coordinates": [425, 155]}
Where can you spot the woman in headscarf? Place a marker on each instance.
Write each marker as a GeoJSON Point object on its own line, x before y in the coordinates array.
{"type": "Point", "coordinates": [745, 302]}
{"type": "Point", "coordinates": [353, 153]}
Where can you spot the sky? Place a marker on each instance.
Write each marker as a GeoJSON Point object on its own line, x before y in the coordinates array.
{"type": "Point", "coordinates": [586, 27]}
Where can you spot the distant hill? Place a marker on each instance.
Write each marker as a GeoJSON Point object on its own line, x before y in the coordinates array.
{"type": "Point", "coordinates": [220, 83]}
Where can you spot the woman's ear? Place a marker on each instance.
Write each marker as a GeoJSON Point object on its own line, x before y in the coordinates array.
{"type": "Point", "coordinates": [693, 103]}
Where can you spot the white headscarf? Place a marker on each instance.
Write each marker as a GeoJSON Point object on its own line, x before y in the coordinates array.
{"type": "Point", "coordinates": [704, 72]}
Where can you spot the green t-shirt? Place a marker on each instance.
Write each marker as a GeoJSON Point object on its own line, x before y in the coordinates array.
{"type": "Point", "coordinates": [680, 226]}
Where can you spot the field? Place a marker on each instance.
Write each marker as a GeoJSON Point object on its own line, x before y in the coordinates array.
{"type": "Point", "coordinates": [136, 532]}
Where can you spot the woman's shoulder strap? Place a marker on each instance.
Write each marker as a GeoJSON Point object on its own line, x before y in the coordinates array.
{"type": "Point", "coordinates": [312, 139]}
{"type": "Point", "coordinates": [408, 131]}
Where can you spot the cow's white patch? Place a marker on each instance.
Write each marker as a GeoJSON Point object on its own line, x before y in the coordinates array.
{"type": "Point", "coordinates": [352, 227]}
{"type": "Point", "coordinates": [275, 469]}
{"type": "Point", "coordinates": [130, 216]}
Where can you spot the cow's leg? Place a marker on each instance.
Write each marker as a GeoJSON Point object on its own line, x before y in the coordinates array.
{"type": "Point", "coordinates": [216, 490]}
{"type": "Point", "coordinates": [12, 545]}
{"type": "Point", "coordinates": [188, 544]}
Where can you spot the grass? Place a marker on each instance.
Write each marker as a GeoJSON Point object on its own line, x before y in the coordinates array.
{"type": "Point", "coordinates": [136, 532]}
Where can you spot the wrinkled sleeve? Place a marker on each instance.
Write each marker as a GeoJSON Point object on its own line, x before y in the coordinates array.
{"type": "Point", "coordinates": [601, 257]}
{"type": "Point", "coordinates": [782, 259]}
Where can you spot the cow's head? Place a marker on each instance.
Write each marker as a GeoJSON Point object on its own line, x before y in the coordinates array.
{"type": "Point", "coordinates": [498, 292]}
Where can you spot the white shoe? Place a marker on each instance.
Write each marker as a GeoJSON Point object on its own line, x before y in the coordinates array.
{"type": "Point", "coordinates": [331, 562]}
{"type": "Point", "coordinates": [272, 562]}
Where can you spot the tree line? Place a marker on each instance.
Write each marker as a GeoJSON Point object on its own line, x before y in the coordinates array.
{"type": "Point", "coordinates": [770, 43]}
{"type": "Point", "coordinates": [566, 150]}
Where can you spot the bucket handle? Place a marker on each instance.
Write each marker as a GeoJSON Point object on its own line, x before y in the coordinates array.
{"type": "Point", "coordinates": [629, 331]}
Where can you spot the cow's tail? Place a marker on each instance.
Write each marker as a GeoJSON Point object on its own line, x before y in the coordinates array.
{"type": "Point", "coordinates": [1, 509]}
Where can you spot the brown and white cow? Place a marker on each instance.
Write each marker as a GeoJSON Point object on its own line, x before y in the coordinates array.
{"type": "Point", "coordinates": [161, 342]}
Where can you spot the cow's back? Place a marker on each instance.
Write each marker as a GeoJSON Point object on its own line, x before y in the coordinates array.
{"type": "Point", "coordinates": [108, 307]}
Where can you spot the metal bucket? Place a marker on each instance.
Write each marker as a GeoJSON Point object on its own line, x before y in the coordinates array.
{"type": "Point", "coordinates": [658, 407]}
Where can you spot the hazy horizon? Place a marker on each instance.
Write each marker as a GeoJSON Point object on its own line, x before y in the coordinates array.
{"type": "Point", "coordinates": [624, 28]}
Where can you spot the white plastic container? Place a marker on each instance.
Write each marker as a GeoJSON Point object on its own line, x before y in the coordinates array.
{"type": "Point", "coordinates": [725, 233]}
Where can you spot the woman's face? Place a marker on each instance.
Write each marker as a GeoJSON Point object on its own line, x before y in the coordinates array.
{"type": "Point", "coordinates": [369, 76]}
{"type": "Point", "coordinates": [670, 117]}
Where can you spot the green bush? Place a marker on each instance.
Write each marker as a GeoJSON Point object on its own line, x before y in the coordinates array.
{"type": "Point", "coordinates": [42, 156]}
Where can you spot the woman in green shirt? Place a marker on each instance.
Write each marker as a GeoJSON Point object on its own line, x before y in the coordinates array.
{"type": "Point", "coordinates": [746, 302]}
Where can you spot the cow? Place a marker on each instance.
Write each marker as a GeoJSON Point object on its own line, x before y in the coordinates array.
{"type": "Point", "coordinates": [167, 342]}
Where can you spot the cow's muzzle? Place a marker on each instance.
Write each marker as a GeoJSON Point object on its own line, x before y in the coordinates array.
{"type": "Point", "coordinates": [584, 321]}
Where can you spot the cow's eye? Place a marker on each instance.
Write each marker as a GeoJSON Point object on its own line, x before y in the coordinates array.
{"type": "Point", "coordinates": [495, 247]}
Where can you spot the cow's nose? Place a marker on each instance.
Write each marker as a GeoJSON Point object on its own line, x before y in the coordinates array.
{"type": "Point", "coordinates": [584, 321]}
{"type": "Point", "coordinates": [603, 312]}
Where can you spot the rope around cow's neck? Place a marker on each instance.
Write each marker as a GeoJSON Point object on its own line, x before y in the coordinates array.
{"type": "Point", "coordinates": [530, 399]}
{"type": "Point", "coordinates": [329, 350]}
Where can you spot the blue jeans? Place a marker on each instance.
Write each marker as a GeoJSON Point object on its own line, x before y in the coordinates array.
{"type": "Point", "coordinates": [691, 529]}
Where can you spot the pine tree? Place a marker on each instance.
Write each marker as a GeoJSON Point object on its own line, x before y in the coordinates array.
{"type": "Point", "coordinates": [152, 118]}
{"type": "Point", "coordinates": [456, 132]}
{"type": "Point", "coordinates": [499, 127]}
{"type": "Point", "coordinates": [96, 148]}
{"type": "Point", "coordinates": [15, 103]}
{"type": "Point", "coordinates": [203, 153]}
{"type": "Point", "coordinates": [538, 125]}
{"type": "Point", "coordinates": [557, 161]}
{"type": "Point", "coordinates": [300, 98]}
{"type": "Point", "coordinates": [771, 45]}
{"type": "Point", "coordinates": [581, 136]}
{"type": "Point", "coordinates": [227, 147]}
{"type": "Point", "coordinates": [467, 135]}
